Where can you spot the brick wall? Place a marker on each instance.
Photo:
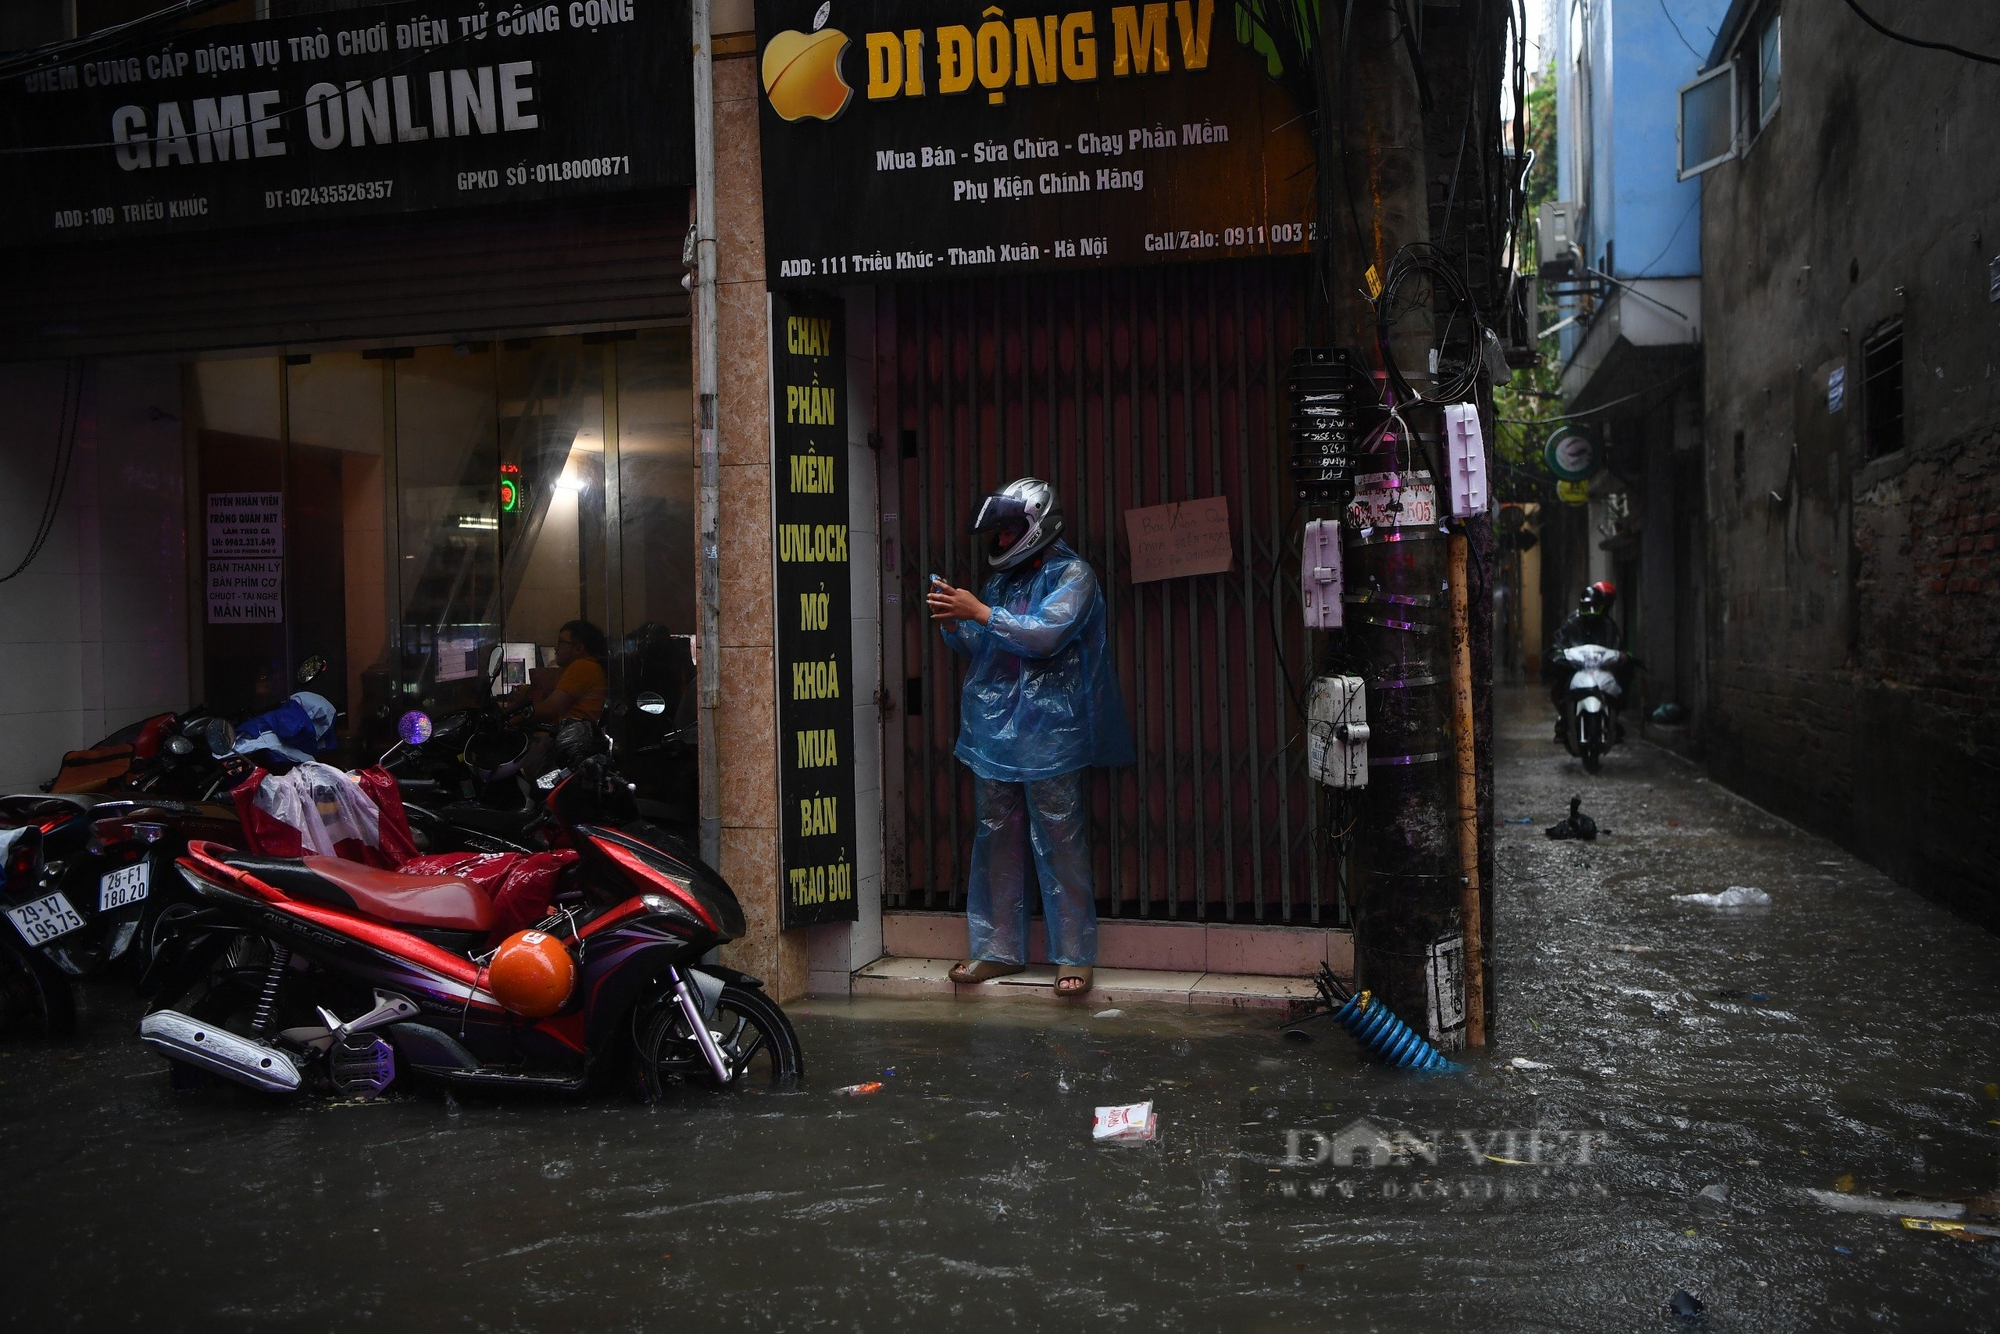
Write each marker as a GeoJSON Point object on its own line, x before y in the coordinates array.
{"type": "Point", "coordinates": [1853, 596]}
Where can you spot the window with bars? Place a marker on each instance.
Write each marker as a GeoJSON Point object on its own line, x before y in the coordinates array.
{"type": "Point", "coordinates": [1882, 390]}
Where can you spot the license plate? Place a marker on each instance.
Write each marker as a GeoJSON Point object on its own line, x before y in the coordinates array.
{"type": "Point", "coordinates": [127, 884]}
{"type": "Point", "coordinates": [44, 919]}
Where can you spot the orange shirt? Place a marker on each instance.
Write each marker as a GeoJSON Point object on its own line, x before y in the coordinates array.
{"type": "Point", "coordinates": [583, 681]}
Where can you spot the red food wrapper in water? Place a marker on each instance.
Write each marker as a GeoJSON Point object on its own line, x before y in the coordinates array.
{"type": "Point", "coordinates": [1132, 1123]}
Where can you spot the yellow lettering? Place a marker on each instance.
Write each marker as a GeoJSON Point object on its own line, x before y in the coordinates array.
{"type": "Point", "coordinates": [913, 63]}
{"type": "Point", "coordinates": [1139, 40]}
{"type": "Point", "coordinates": [954, 58]}
{"type": "Point", "coordinates": [1079, 47]}
{"type": "Point", "coordinates": [1194, 32]}
{"type": "Point", "coordinates": [994, 54]}
{"type": "Point", "coordinates": [885, 65]}
{"type": "Point", "coordinates": [1035, 49]}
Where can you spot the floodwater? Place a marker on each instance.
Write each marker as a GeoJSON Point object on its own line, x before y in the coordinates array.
{"type": "Point", "coordinates": [1845, 1038]}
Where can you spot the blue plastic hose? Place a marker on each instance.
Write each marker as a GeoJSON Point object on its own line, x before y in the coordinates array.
{"type": "Point", "coordinates": [1386, 1036]}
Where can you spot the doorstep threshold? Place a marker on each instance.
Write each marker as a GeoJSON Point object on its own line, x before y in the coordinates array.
{"type": "Point", "coordinates": [929, 979]}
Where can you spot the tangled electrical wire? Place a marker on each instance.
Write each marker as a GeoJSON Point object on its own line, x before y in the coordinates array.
{"type": "Point", "coordinates": [1425, 270]}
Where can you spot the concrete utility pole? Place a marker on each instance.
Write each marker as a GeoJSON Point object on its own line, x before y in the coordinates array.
{"type": "Point", "coordinates": [1398, 621]}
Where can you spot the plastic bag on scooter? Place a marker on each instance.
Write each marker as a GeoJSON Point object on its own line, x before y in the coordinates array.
{"type": "Point", "coordinates": [317, 810]}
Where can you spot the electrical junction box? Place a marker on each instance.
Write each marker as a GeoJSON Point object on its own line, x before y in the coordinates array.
{"type": "Point", "coordinates": [1555, 239]}
{"type": "Point", "coordinates": [1465, 460]}
{"type": "Point", "coordinates": [1320, 574]}
{"type": "Point", "coordinates": [1337, 732]}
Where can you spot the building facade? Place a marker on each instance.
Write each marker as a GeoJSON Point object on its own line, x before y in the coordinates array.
{"type": "Point", "coordinates": [1628, 284]}
{"type": "Point", "coordinates": [457, 423]}
{"type": "Point", "coordinates": [1849, 250]}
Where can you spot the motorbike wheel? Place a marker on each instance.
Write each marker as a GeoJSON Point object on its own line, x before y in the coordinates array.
{"type": "Point", "coordinates": [35, 996]}
{"type": "Point", "coordinates": [754, 1034]}
{"type": "Point", "coordinates": [1593, 742]}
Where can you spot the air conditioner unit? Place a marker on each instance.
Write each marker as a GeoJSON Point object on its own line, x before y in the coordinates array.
{"type": "Point", "coordinates": [1555, 239]}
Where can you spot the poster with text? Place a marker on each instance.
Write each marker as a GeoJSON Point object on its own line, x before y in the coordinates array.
{"type": "Point", "coordinates": [815, 610]}
{"type": "Point", "coordinates": [911, 140]}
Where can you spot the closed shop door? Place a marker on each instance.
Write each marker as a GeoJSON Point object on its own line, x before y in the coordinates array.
{"type": "Point", "coordinates": [1125, 390]}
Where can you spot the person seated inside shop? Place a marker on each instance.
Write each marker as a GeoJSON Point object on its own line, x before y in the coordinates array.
{"type": "Point", "coordinates": [578, 687]}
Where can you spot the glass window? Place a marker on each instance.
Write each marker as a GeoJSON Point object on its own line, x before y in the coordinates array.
{"type": "Point", "coordinates": [657, 488]}
{"type": "Point", "coordinates": [448, 523]}
{"type": "Point", "coordinates": [445, 511]}
{"type": "Point", "coordinates": [1769, 53]}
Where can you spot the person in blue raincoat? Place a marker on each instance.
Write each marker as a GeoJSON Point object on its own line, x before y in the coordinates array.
{"type": "Point", "coordinates": [1041, 706]}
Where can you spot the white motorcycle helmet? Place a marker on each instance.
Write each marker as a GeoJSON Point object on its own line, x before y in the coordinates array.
{"type": "Point", "coordinates": [1020, 519]}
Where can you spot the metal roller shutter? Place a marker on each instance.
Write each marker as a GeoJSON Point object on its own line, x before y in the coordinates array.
{"type": "Point", "coordinates": [374, 281]}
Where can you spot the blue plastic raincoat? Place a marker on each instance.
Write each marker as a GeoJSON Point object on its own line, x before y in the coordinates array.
{"type": "Point", "coordinates": [1041, 698]}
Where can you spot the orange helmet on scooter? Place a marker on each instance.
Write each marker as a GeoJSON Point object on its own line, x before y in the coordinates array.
{"type": "Point", "coordinates": [531, 974]}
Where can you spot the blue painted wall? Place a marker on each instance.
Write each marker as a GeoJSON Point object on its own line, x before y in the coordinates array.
{"type": "Point", "coordinates": [1615, 136]}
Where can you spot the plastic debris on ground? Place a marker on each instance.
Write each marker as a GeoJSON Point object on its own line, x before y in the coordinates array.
{"type": "Point", "coordinates": [1968, 1231]}
{"type": "Point", "coordinates": [1844, 1203]}
{"type": "Point", "coordinates": [1132, 1123]}
{"type": "Point", "coordinates": [1736, 896]}
{"type": "Point", "coordinates": [1107, 1014]}
{"type": "Point", "coordinates": [1715, 1194]}
{"type": "Point", "coordinates": [1685, 1305]}
{"type": "Point", "coordinates": [859, 1090]}
{"type": "Point", "coordinates": [1523, 1063]}
{"type": "Point", "coordinates": [1574, 825]}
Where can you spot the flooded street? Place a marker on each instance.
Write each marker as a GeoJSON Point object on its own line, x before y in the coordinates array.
{"type": "Point", "coordinates": [1692, 1073]}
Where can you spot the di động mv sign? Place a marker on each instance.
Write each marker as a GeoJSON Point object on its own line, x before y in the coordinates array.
{"type": "Point", "coordinates": [815, 610]}
{"type": "Point", "coordinates": [911, 140]}
{"type": "Point", "coordinates": [389, 109]}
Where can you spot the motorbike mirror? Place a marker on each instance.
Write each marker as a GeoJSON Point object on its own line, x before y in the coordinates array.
{"type": "Point", "coordinates": [311, 669]}
{"type": "Point", "coordinates": [652, 702]}
{"type": "Point", "coordinates": [180, 745]}
{"type": "Point", "coordinates": [220, 734]}
{"type": "Point", "coordinates": [414, 727]}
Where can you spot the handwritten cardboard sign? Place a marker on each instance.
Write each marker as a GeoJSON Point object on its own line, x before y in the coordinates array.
{"type": "Point", "coordinates": [1173, 541]}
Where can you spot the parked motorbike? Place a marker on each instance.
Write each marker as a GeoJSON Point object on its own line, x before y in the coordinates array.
{"type": "Point", "coordinates": [96, 880]}
{"type": "Point", "coordinates": [35, 995]}
{"type": "Point", "coordinates": [254, 986]}
{"type": "Point", "coordinates": [85, 899]}
{"type": "Point", "coordinates": [1589, 676]}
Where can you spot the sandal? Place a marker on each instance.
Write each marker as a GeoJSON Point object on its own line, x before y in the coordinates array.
{"type": "Point", "coordinates": [1072, 981]}
{"type": "Point", "coordinates": [981, 970]}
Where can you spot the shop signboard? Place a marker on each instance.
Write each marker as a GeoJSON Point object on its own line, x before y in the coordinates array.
{"type": "Point", "coordinates": [919, 139]}
{"type": "Point", "coordinates": [390, 109]}
{"type": "Point", "coordinates": [815, 610]}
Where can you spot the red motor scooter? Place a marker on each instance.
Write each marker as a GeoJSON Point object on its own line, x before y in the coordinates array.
{"type": "Point", "coordinates": [314, 972]}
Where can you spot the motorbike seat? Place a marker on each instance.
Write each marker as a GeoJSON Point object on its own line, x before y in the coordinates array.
{"type": "Point", "coordinates": [441, 901]}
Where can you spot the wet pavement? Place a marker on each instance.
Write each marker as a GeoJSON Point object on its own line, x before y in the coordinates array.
{"type": "Point", "coordinates": [1693, 1073]}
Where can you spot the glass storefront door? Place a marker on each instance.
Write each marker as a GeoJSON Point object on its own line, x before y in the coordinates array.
{"type": "Point", "coordinates": [427, 519]}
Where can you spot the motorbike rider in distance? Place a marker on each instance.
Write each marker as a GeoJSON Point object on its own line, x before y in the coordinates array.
{"type": "Point", "coordinates": [1590, 623]}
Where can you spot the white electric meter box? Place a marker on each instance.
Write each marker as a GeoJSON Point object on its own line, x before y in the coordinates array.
{"type": "Point", "coordinates": [1555, 239]}
{"type": "Point", "coordinates": [1465, 460]}
{"type": "Point", "coordinates": [1320, 574]}
{"type": "Point", "coordinates": [1337, 732]}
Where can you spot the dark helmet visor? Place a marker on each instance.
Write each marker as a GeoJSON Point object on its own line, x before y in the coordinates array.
{"type": "Point", "coordinates": [999, 511]}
